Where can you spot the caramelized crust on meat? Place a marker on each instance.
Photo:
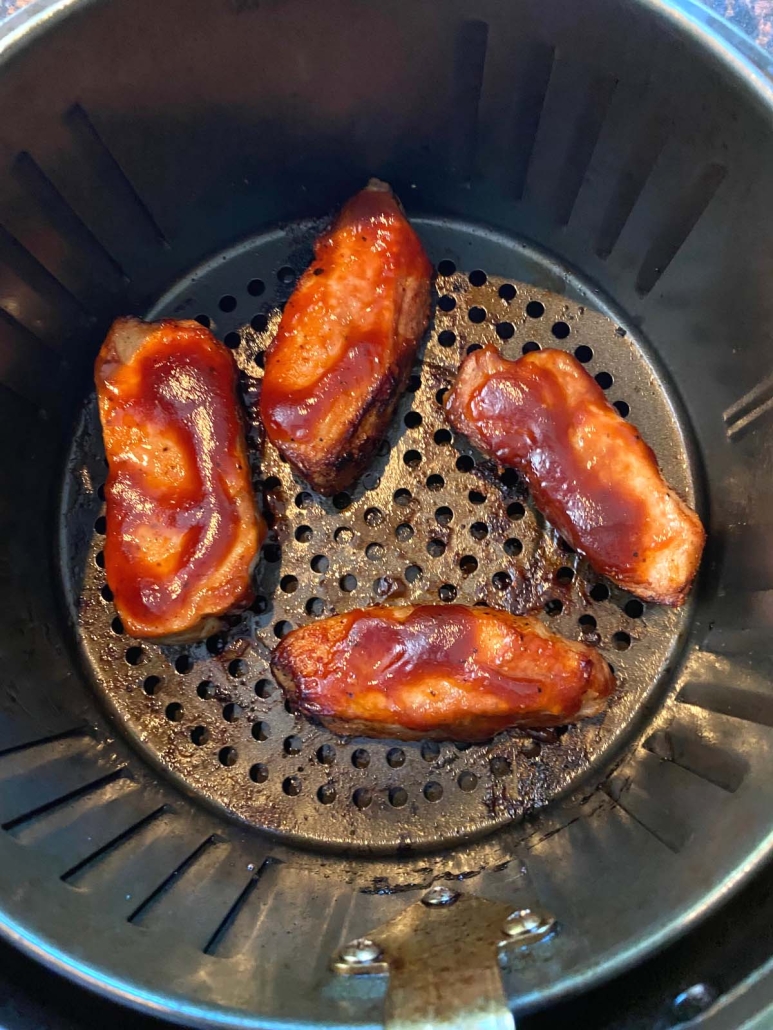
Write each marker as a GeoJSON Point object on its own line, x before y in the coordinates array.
{"type": "Point", "coordinates": [588, 470]}
{"type": "Point", "coordinates": [347, 340]}
{"type": "Point", "coordinates": [183, 533]}
{"type": "Point", "coordinates": [442, 672]}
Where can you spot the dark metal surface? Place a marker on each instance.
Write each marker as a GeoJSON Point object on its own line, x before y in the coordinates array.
{"type": "Point", "coordinates": [431, 521]}
{"type": "Point", "coordinates": [752, 17]}
{"type": "Point", "coordinates": [625, 140]}
{"type": "Point", "coordinates": [729, 953]}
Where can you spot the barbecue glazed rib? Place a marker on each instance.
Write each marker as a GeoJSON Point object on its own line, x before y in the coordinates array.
{"type": "Point", "coordinates": [183, 533]}
{"type": "Point", "coordinates": [588, 470]}
{"type": "Point", "coordinates": [347, 340]}
{"type": "Point", "coordinates": [442, 672]}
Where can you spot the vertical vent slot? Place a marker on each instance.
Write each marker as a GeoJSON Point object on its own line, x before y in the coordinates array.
{"type": "Point", "coordinates": [110, 171]}
{"type": "Point", "coordinates": [469, 63]}
{"type": "Point", "coordinates": [585, 135]}
{"type": "Point", "coordinates": [528, 112]}
{"type": "Point", "coordinates": [680, 222]}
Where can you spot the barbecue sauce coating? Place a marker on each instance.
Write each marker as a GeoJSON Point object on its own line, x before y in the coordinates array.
{"type": "Point", "coordinates": [347, 340]}
{"type": "Point", "coordinates": [589, 471]}
{"type": "Point", "coordinates": [442, 672]}
{"type": "Point", "coordinates": [183, 533]}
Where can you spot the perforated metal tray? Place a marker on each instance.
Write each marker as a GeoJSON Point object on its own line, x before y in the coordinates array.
{"type": "Point", "coordinates": [430, 521]}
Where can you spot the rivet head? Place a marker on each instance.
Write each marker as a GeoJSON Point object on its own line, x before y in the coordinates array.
{"type": "Point", "coordinates": [360, 952]}
{"type": "Point", "coordinates": [528, 924]}
{"type": "Point", "coordinates": [440, 895]}
{"type": "Point", "coordinates": [693, 1001]}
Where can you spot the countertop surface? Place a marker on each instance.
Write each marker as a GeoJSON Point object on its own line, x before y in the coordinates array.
{"type": "Point", "coordinates": [754, 17]}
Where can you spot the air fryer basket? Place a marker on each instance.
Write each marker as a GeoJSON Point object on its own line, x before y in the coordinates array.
{"type": "Point", "coordinates": [593, 177]}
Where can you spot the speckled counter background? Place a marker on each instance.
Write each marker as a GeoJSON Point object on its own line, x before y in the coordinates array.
{"type": "Point", "coordinates": [754, 17]}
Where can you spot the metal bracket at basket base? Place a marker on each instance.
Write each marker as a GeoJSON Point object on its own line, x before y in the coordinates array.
{"type": "Point", "coordinates": [441, 955]}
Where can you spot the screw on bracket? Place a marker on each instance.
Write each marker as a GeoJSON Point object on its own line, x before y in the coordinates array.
{"type": "Point", "coordinates": [360, 952]}
{"type": "Point", "coordinates": [440, 895]}
{"type": "Point", "coordinates": [528, 925]}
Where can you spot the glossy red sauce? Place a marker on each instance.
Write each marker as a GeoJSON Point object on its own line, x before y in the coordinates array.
{"type": "Point", "coordinates": [349, 332]}
{"type": "Point", "coordinates": [295, 415]}
{"type": "Point", "coordinates": [179, 501]}
{"type": "Point", "coordinates": [470, 671]}
{"type": "Point", "coordinates": [534, 426]}
{"type": "Point", "coordinates": [589, 471]}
